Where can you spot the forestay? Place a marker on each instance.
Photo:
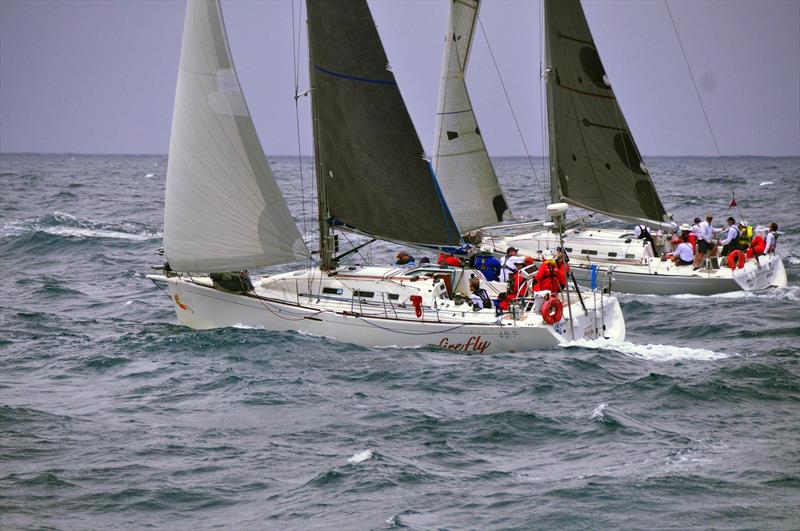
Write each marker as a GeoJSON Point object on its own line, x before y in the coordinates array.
{"type": "Point", "coordinates": [223, 209]}
{"type": "Point", "coordinates": [595, 163]}
{"type": "Point", "coordinates": [460, 159]}
{"type": "Point", "coordinates": [374, 174]}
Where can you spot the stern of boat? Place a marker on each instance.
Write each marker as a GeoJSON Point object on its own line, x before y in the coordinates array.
{"type": "Point", "coordinates": [601, 319]}
{"type": "Point", "coordinates": [766, 271]}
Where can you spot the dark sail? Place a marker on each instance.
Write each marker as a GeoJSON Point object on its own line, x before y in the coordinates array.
{"type": "Point", "coordinates": [374, 177]}
{"type": "Point", "coordinates": [595, 163]}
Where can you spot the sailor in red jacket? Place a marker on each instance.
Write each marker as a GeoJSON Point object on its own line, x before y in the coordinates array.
{"type": "Point", "coordinates": [520, 279]}
{"type": "Point", "coordinates": [550, 276]}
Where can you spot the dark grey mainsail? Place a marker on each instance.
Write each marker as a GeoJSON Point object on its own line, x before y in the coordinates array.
{"type": "Point", "coordinates": [371, 169]}
{"type": "Point", "coordinates": [595, 163]}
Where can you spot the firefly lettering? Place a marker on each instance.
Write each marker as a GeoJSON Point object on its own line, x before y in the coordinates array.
{"type": "Point", "coordinates": [473, 344]}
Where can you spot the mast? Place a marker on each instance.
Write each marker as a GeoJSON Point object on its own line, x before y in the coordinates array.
{"type": "Point", "coordinates": [325, 232]}
{"type": "Point", "coordinates": [555, 191]}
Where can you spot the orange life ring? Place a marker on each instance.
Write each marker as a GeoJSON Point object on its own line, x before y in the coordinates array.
{"type": "Point", "coordinates": [737, 257]}
{"type": "Point", "coordinates": [552, 310]}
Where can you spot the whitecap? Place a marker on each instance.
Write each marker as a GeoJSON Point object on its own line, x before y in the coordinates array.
{"type": "Point", "coordinates": [765, 183]}
{"type": "Point", "coordinates": [650, 352]}
{"type": "Point", "coordinates": [789, 293]}
{"type": "Point", "coordinates": [598, 411]}
{"type": "Point", "coordinates": [150, 175]}
{"type": "Point", "coordinates": [242, 326]}
{"type": "Point", "coordinates": [97, 233]}
{"type": "Point", "coordinates": [360, 456]}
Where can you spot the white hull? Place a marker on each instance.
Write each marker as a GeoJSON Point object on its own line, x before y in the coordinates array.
{"type": "Point", "coordinates": [282, 303]}
{"type": "Point", "coordinates": [633, 271]}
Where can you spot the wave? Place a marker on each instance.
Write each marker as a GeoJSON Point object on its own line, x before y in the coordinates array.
{"type": "Point", "coordinates": [360, 456]}
{"type": "Point", "coordinates": [67, 225]}
{"type": "Point", "coordinates": [650, 352]}
{"type": "Point", "coordinates": [788, 293]}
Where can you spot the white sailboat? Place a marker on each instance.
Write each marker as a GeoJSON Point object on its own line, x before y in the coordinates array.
{"type": "Point", "coordinates": [594, 165]}
{"type": "Point", "coordinates": [224, 212]}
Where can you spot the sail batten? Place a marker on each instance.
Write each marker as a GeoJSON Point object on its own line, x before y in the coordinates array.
{"type": "Point", "coordinates": [595, 162]}
{"type": "Point", "coordinates": [223, 208]}
{"type": "Point", "coordinates": [460, 159]}
{"type": "Point", "coordinates": [370, 162]}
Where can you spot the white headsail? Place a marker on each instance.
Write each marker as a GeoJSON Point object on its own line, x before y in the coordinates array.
{"type": "Point", "coordinates": [223, 209]}
{"type": "Point", "coordinates": [460, 160]}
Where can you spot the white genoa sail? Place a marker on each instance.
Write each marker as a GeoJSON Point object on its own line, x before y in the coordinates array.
{"type": "Point", "coordinates": [223, 208]}
{"type": "Point", "coordinates": [460, 160]}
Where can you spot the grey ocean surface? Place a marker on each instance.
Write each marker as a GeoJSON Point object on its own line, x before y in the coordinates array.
{"type": "Point", "coordinates": [112, 416]}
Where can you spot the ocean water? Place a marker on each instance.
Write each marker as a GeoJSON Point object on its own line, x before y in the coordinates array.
{"type": "Point", "coordinates": [113, 416]}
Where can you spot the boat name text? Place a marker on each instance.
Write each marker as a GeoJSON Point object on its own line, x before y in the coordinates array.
{"type": "Point", "coordinates": [473, 344]}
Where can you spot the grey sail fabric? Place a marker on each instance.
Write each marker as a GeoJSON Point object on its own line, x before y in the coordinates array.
{"type": "Point", "coordinates": [460, 159]}
{"type": "Point", "coordinates": [223, 209]}
{"type": "Point", "coordinates": [375, 178]}
{"type": "Point", "coordinates": [595, 163]}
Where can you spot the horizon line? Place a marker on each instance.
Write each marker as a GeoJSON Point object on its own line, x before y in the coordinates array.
{"type": "Point", "coordinates": [109, 154]}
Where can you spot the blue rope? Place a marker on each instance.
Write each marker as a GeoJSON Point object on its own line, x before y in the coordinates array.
{"type": "Point", "coordinates": [448, 217]}
{"type": "Point", "coordinates": [355, 78]}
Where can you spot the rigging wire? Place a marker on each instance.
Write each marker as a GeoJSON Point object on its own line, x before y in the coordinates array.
{"type": "Point", "coordinates": [702, 106]}
{"type": "Point", "coordinates": [511, 107]}
{"type": "Point", "coordinates": [358, 252]}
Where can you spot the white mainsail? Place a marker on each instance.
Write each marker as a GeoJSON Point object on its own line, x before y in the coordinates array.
{"type": "Point", "coordinates": [460, 160]}
{"type": "Point", "coordinates": [223, 209]}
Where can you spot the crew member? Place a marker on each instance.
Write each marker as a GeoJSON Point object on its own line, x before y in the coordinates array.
{"type": "Point", "coordinates": [640, 232]}
{"type": "Point", "coordinates": [731, 241]}
{"type": "Point", "coordinates": [403, 258]}
{"type": "Point", "coordinates": [519, 282]}
{"type": "Point", "coordinates": [562, 261]}
{"type": "Point", "coordinates": [507, 264]}
{"type": "Point", "coordinates": [705, 242]}
{"type": "Point", "coordinates": [683, 254]}
{"type": "Point", "coordinates": [694, 233]}
{"type": "Point", "coordinates": [449, 259]}
{"type": "Point", "coordinates": [480, 299]}
{"type": "Point", "coordinates": [549, 276]}
{"type": "Point", "coordinates": [772, 239]}
{"type": "Point", "coordinates": [756, 246]}
{"type": "Point", "coordinates": [745, 236]}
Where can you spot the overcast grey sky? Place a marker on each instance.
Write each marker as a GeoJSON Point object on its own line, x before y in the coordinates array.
{"type": "Point", "coordinates": [99, 76]}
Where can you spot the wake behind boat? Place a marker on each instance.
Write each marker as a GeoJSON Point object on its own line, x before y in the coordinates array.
{"type": "Point", "coordinates": [224, 213]}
